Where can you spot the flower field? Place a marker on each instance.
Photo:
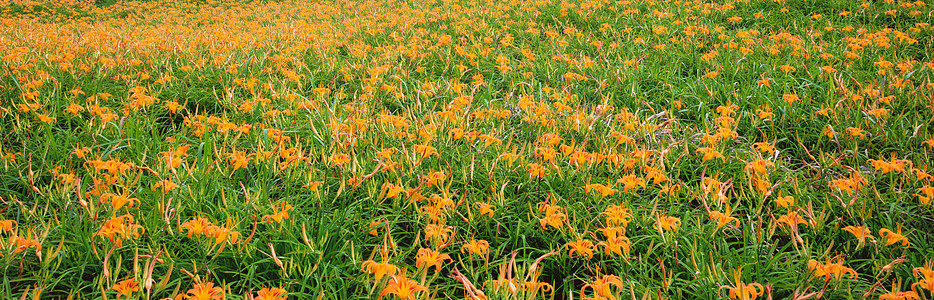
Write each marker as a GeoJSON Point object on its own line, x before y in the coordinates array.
{"type": "Point", "coordinates": [467, 149]}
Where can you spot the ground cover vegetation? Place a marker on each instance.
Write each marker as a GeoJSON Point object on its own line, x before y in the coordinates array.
{"type": "Point", "coordinates": [478, 149]}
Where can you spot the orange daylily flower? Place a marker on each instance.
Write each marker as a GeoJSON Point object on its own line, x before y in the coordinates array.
{"type": "Point", "coordinates": [164, 186]}
{"type": "Point", "coordinates": [785, 202]}
{"type": "Point", "coordinates": [126, 288]}
{"type": "Point", "coordinates": [339, 159]}
{"type": "Point", "coordinates": [856, 132]}
{"type": "Point", "coordinates": [536, 170]}
{"type": "Point", "coordinates": [173, 159]}
{"type": "Point", "coordinates": [437, 233]}
{"type": "Point", "coordinates": [860, 232]}
{"type": "Point", "coordinates": [831, 270]}
{"type": "Point", "coordinates": [7, 225]}
{"type": "Point", "coordinates": [600, 188]}
{"type": "Point", "coordinates": [602, 285]}
{"type": "Point", "coordinates": [424, 151]}
{"type": "Point", "coordinates": [759, 166]}
{"type": "Point", "coordinates": [655, 175]}
{"type": "Point", "coordinates": [486, 209]}
{"type": "Point", "coordinates": [615, 242]}
{"type": "Point", "coordinates": [631, 182]}
{"type": "Point", "coordinates": [925, 275]}
{"type": "Point", "coordinates": [927, 194]}
{"type": "Point", "coordinates": [21, 244]}
{"type": "Point", "coordinates": [379, 269]}
{"type": "Point", "coordinates": [223, 234]}
{"type": "Point", "coordinates": [850, 185]}
{"type": "Point", "coordinates": [666, 223]}
{"type": "Point", "coordinates": [239, 160]}
{"type": "Point", "coordinates": [922, 175]}
{"type": "Point", "coordinates": [742, 291]}
{"type": "Point", "coordinates": [710, 153]}
{"type": "Point", "coordinates": [554, 215]}
{"type": "Point", "coordinates": [205, 291]}
{"type": "Point", "coordinates": [893, 237]}
{"type": "Point", "coordinates": [582, 247]}
{"type": "Point", "coordinates": [792, 219]}
{"type": "Point", "coordinates": [896, 294]}
{"type": "Point", "coordinates": [280, 215]}
{"type": "Point", "coordinates": [478, 247]}
{"type": "Point", "coordinates": [435, 178]}
{"type": "Point", "coordinates": [669, 190]}
{"type": "Point", "coordinates": [727, 109]}
{"type": "Point", "coordinates": [273, 293]}
{"type": "Point", "coordinates": [196, 226]}
{"type": "Point", "coordinates": [392, 190]}
{"type": "Point", "coordinates": [403, 287]}
{"type": "Point", "coordinates": [314, 186]}
{"type": "Point", "coordinates": [722, 219]}
{"type": "Point", "coordinates": [118, 201]}
{"type": "Point", "coordinates": [617, 215]}
{"type": "Point", "coordinates": [118, 228]}
{"type": "Point", "coordinates": [897, 165]}
{"type": "Point", "coordinates": [427, 257]}
{"type": "Point", "coordinates": [765, 148]}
